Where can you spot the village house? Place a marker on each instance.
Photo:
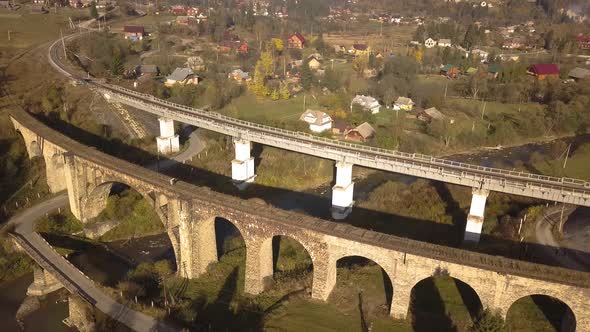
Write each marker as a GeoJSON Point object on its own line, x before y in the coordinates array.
{"type": "Point", "coordinates": [185, 20]}
{"type": "Point", "coordinates": [243, 48]}
{"type": "Point", "coordinates": [183, 76]}
{"type": "Point", "coordinates": [450, 71]}
{"type": "Point", "coordinates": [481, 55]}
{"type": "Point", "coordinates": [403, 103]}
{"type": "Point", "coordinates": [360, 50]}
{"type": "Point", "coordinates": [583, 42]}
{"type": "Point", "coordinates": [494, 71]}
{"type": "Point", "coordinates": [579, 74]}
{"type": "Point", "coordinates": [239, 76]}
{"type": "Point", "coordinates": [178, 10]}
{"type": "Point", "coordinates": [318, 121]}
{"type": "Point", "coordinates": [339, 49]}
{"type": "Point", "coordinates": [368, 103]}
{"type": "Point", "coordinates": [296, 40]}
{"type": "Point", "coordinates": [444, 43]}
{"type": "Point", "coordinates": [544, 70]}
{"type": "Point", "coordinates": [430, 114]}
{"type": "Point", "coordinates": [134, 32]}
{"type": "Point", "coordinates": [362, 133]}
{"type": "Point", "coordinates": [147, 71]}
{"type": "Point", "coordinates": [429, 43]}
{"type": "Point", "coordinates": [314, 63]}
{"type": "Point", "coordinates": [38, 8]}
{"type": "Point", "coordinates": [512, 44]}
{"type": "Point", "coordinates": [5, 4]}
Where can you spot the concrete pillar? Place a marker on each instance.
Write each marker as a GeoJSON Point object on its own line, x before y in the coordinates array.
{"type": "Point", "coordinates": [43, 283]}
{"type": "Point", "coordinates": [242, 167]}
{"type": "Point", "coordinates": [258, 265]}
{"type": "Point", "coordinates": [476, 216]}
{"type": "Point", "coordinates": [342, 191]}
{"type": "Point", "coordinates": [168, 141]}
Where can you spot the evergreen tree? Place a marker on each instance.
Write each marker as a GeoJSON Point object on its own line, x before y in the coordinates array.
{"type": "Point", "coordinates": [117, 65]}
{"type": "Point", "coordinates": [550, 40]}
{"type": "Point", "coordinates": [471, 37]}
{"type": "Point", "coordinates": [275, 95]}
{"type": "Point", "coordinates": [306, 75]}
{"type": "Point", "coordinates": [93, 10]}
{"type": "Point", "coordinates": [285, 94]}
{"type": "Point", "coordinates": [488, 321]}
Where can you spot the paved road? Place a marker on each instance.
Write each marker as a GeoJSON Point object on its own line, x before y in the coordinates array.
{"type": "Point", "coordinates": [544, 236]}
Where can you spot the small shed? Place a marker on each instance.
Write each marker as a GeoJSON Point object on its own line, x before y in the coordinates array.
{"type": "Point", "coordinates": [403, 103]}
{"type": "Point", "coordinates": [362, 133]}
{"type": "Point", "coordinates": [318, 121]}
{"type": "Point", "coordinates": [579, 74]}
{"type": "Point", "coordinates": [430, 114]}
{"type": "Point", "coordinates": [134, 32]}
{"type": "Point", "coordinates": [544, 70]}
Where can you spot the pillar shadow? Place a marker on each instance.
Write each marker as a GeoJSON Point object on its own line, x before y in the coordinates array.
{"type": "Point", "coordinates": [428, 309]}
{"type": "Point", "coordinates": [315, 204]}
{"type": "Point", "coordinates": [276, 246]}
{"type": "Point", "coordinates": [554, 310]}
{"type": "Point", "coordinates": [470, 298]}
{"type": "Point", "coordinates": [364, 325]}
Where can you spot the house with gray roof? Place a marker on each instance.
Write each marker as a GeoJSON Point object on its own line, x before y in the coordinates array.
{"type": "Point", "coordinates": [183, 76]}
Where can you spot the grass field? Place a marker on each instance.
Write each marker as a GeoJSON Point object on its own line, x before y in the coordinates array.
{"type": "Point", "coordinates": [28, 30]}
{"type": "Point", "coordinates": [576, 166]}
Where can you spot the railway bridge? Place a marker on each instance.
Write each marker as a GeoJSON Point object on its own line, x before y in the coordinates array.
{"type": "Point", "coordinates": [188, 213]}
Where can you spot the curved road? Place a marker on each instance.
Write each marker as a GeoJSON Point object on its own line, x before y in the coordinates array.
{"type": "Point", "coordinates": [551, 249]}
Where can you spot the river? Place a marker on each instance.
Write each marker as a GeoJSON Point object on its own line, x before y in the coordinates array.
{"type": "Point", "coordinates": [109, 264]}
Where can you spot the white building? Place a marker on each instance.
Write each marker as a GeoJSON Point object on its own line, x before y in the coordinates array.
{"type": "Point", "coordinates": [481, 55]}
{"type": "Point", "coordinates": [367, 102]}
{"type": "Point", "coordinates": [318, 121]}
{"type": "Point", "coordinates": [429, 43]}
{"type": "Point", "coordinates": [444, 43]}
{"type": "Point", "coordinates": [403, 103]}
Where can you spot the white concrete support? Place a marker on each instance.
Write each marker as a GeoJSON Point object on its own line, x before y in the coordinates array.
{"type": "Point", "coordinates": [242, 167]}
{"type": "Point", "coordinates": [342, 191]}
{"type": "Point", "coordinates": [476, 216]}
{"type": "Point", "coordinates": [168, 142]}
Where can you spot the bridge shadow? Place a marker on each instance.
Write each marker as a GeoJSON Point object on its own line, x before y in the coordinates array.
{"type": "Point", "coordinates": [317, 202]}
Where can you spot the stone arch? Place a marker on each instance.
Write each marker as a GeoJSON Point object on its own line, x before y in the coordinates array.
{"type": "Point", "coordinates": [269, 252]}
{"type": "Point", "coordinates": [557, 313]}
{"type": "Point", "coordinates": [95, 201]}
{"type": "Point", "coordinates": [442, 301]}
{"type": "Point", "coordinates": [34, 149]}
{"type": "Point", "coordinates": [365, 296]}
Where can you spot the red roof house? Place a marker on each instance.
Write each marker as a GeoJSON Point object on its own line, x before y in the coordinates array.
{"type": "Point", "coordinates": [583, 42]}
{"type": "Point", "coordinates": [296, 41]}
{"type": "Point", "coordinates": [134, 32]}
{"type": "Point", "coordinates": [544, 70]}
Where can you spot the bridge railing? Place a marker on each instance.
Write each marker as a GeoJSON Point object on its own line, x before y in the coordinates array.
{"type": "Point", "coordinates": [486, 173]}
{"type": "Point", "coordinates": [46, 264]}
{"type": "Point", "coordinates": [346, 146]}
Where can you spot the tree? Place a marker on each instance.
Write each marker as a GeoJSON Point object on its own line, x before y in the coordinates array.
{"type": "Point", "coordinates": [306, 75]}
{"type": "Point", "coordinates": [488, 321]}
{"type": "Point", "coordinates": [285, 94]}
{"type": "Point", "coordinates": [550, 40]}
{"type": "Point", "coordinates": [93, 10]}
{"type": "Point", "coordinates": [420, 34]}
{"type": "Point", "coordinates": [419, 55]}
{"type": "Point", "coordinates": [331, 80]}
{"type": "Point", "coordinates": [277, 44]}
{"type": "Point", "coordinates": [275, 95]}
{"type": "Point", "coordinates": [117, 65]}
{"type": "Point", "coordinates": [471, 37]}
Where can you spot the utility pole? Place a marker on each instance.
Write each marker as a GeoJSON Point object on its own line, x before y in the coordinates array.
{"type": "Point", "coordinates": [8, 35]}
{"type": "Point", "coordinates": [483, 111]}
{"type": "Point", "coordinates": [446, 87]}
{"type": "Point", "coordinates": [63, 43]}
{"type": "Point", "coordinates": [567, 154]}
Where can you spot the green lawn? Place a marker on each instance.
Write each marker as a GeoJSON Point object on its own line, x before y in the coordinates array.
{"type": "Point", "coordinates": [576, 166]}
{"type": "Point", "coordinates": [263, 110]}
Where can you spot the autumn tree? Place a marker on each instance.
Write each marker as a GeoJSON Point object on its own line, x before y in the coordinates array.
{"type": "Point", "coordinates": [263, 70]}
{"type": "Point", "coordinates": [93, 10]}
{"type": "Point", "coordinates": [277, 44]}
{"type": "Point", "coordinates": [285, 94]}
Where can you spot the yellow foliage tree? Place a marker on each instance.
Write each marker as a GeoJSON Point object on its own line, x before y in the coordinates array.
{"type": "Point", "coordinates": [419, 55]}
{"type": "Point", "coordinates": [277, 44]}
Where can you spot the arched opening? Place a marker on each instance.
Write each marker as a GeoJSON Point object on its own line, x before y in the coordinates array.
{"type": "Point", "coordinates": [363, 289]}
{"type": "Point", "coordinates": [229, 241]}
{"type": "Point", "coordinates": [22, 177]}
{"type": "Point", "coordinates": [540, 313]}
{"type": "Point", "coordinates": [292, 266]}
{"type": "Point", "coordinates": [132, 228]}
{"type": "Point", "coordinates": [443, 303]}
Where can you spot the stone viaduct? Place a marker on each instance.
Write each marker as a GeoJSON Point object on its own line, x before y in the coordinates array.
{"type": "Point", "coordinates": [188, 213]}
